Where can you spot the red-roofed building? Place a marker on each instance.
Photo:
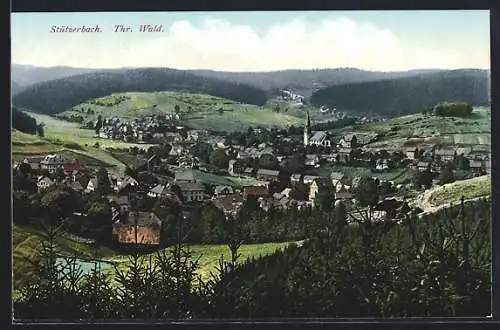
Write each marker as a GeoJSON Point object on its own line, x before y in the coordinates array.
{"type": "Point", "coordinates": [71, 167]}
{"type": "Point", "coordinates": [258, 191]}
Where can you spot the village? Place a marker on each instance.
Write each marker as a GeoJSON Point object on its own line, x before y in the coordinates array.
{"type": "Point", "coordinates": [282, 178]}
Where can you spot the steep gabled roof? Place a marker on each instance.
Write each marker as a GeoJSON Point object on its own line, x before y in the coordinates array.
{"type": "Point", "coordinates": [349, 137]}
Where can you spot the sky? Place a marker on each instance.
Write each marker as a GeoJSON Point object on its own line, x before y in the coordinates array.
{"type": "Point", "coordinates": [258, 41]}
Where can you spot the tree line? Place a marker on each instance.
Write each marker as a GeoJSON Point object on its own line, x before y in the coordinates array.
{"type": "Point", "coordinates": [25, 123]}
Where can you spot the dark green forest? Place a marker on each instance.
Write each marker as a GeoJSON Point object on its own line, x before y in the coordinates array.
{"type": "Point", "coordinates": [23, 122]}
{"type": "Point", "coordinates": [407, 95]}
{"type": "Point", "coordinates": [58, 95]}
{"type": "Point", "coordinates": [435, 265]}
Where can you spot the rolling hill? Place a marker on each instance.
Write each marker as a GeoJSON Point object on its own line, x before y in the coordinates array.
{"type": "Point", "coordinates": [197, 110]}
{"type": "Point", "coordinates": [407, 95]}
{"type": "Point", "coordinates": [57, 95]}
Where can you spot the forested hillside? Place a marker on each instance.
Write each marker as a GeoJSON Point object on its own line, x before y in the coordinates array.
{"type": "Point", "coordinates": [407, 95]}
{"type": "Point", "coordinates": [55, 96]}
{"type": "Point", "coordinates": [305, 82]}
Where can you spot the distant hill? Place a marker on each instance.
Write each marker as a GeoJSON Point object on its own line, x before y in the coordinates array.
{"type": "Point", "coordinates": [26, 75]}
{"type": "Point", "coordinates": [305, 82]}
{"type": "Point", "coordinates": [15, 88]}
{"type": "Point", "coordinates": [409, 94]}
{"type": "Point", "coordinates": [58, 95]}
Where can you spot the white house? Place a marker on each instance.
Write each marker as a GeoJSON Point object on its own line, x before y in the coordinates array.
{"type": "Point", "coordinates": [44, 182]}
{"type": "Point", "coordinates": [92, 185]}
{"type": "Point", "coordinates": [52, 162]}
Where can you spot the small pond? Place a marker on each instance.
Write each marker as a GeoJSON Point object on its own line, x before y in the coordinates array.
{"type": "Point", "coordinates": [86, 266]}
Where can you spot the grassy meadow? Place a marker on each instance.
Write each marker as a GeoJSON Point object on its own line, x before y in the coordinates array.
{"type": "Point", "coordinates": [208, 256]}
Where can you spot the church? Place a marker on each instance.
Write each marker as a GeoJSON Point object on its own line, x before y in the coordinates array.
{"type": "Point", "coordinates": [319, 138]}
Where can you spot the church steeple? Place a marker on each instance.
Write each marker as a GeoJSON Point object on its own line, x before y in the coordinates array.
{"type": "Point", "coordinates": [307, 129]}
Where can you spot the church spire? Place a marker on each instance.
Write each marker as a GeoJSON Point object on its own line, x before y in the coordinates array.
{"type": "Point", "coordinates": [307, 129]}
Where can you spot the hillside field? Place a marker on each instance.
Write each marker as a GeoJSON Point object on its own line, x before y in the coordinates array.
{"type": "Point", "coordinates": [395, 133]}
{"type": "Point", "coordinates": [469, 189]}
{"type": "Point", "coordinates": [197, 110]}
{"type": "Point", "coordinates": [67, 132]}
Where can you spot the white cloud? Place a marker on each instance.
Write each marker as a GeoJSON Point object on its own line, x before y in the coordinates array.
{"type": "Point", "coordinates": [221, 45]}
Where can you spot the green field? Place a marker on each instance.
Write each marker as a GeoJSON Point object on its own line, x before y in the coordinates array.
{"type": "Point", "coordinates": [209, 255]}
{"type": "Point", "coordinates": [20, 138]}
{"type": "Point", "coordinates": [453, 192]}
{"type": "Point", "coordinates": [197, 110]}
{"type": "Point", "coordinates": [213, 179]}
{"type": "Point", "coordinates": [460, 132]}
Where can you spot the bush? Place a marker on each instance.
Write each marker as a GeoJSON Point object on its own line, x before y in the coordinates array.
{"type": "Point", "coordinates": [453, 109]}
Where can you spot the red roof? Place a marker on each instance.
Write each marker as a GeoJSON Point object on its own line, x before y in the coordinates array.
{"type": "Point", "coordinates": [70, 167]}
{"type": "Point", "coordinates": [258, 191]}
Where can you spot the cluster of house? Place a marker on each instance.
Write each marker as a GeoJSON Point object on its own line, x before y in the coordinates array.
{"type": "Point", "coordinates": [429, 157]}
{"type": "Point", "coordinates": [149, 129]}
{"type": "Point", "coordinates": [144, 228]}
